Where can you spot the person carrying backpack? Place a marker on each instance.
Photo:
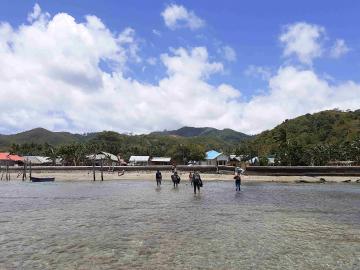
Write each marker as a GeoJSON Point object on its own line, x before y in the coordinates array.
{"type": "Point", "coordinates": [176, 179]}
{"type": "Point", "coordinates": [237, 178]}
{"type": "Point", "coordinates": [197, 182]}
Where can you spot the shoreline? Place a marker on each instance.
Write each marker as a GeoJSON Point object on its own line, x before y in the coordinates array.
{"type": "Point", "coordinates": [64, 176]}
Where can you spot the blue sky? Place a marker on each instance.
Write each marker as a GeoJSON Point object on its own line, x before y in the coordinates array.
{"type": "Point", "coordinates": [256, 67]}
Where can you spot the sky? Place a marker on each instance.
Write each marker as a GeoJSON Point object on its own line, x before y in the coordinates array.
{"type": "Point", "coordinates": [140, 66]}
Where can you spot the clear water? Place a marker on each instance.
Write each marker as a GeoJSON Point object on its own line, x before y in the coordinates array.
{"type": "Point", "coordinates": [133, 225]}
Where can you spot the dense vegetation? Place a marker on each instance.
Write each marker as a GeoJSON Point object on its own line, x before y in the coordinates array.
{"type": "Point", "coordinates": [76, 147]}
{"type": "Point", "coordinates": [227, 135]}
{"type": "Point", "coordinates": [311, 139]}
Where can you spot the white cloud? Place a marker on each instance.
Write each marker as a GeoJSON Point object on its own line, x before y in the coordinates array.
{"type": "Point", "coordinates": [228, 53]}
{"type": "Point", "coordinates": [263, 73]}
{"type": "Point", "coordinates": [177, 16]}
{"type": "Point", "coordinates": [51, 76]}
{"type": "Point", "coordinates": [293, 92]}
{"type": "Point", "coordinates": [37, 15]}
{"type": "Point", "coordinates": [303, 40]}
{"type": "Point", "coordinates": [192, 65]}
{"type": "Point", "coordinates": [339, 48]}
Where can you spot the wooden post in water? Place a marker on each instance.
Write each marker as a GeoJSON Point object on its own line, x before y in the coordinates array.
{"type": "Point", "coordinates": [94, 178]}
{"type": "Point", "coordinates": [30, 170]}
{"type": "Point", "coordinates": [24, 172]}
{"type": "Point", "coordinates": [102, 173]}
{"type": "Point", "coordinates": [7, 176]}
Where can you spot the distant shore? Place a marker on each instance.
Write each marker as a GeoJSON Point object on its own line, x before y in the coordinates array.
{"type": "Point", "coordinates": [84, 175]}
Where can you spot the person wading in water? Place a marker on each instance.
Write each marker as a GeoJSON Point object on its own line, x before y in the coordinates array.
{"type": "Point", "coordinates": [237, 178]}
{"type": "Point", "coordinates": [197, 182]}
{"type": "Point", "coordinates": [158, 177]}
{"type": "Point", "coordinates": [176, 179]}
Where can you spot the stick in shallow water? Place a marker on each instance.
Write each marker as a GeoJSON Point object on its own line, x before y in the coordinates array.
{"type": "Point", "coordinates": [102, 174]}
{"type": "Point", "coordinates": [94, 178]}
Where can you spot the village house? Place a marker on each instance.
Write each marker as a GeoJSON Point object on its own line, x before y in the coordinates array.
{"type": "Point", "coordinates": [255, 161]}
{"type": "Point", "coordinates": [10, 160]}
{"type": "Point", "coordinates": [139, 160]}
{"type": "Point", "coordinates": [161, 161]}
{"type": "Point", "coordinates": [106, 158]}
{"type": "Point", "coordinates": [234, 160]}
{"type": "Point", "coordinates": [215, 158]}
{"type": "Point", "coordinates": [38, 160]}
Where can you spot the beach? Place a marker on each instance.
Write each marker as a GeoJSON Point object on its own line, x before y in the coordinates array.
{"type": "Point", "coordinates": [87, 175]}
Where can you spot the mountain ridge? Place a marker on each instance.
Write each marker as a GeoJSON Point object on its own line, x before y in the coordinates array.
{"type": "Point", "coordinates": [41, 135]}
{"type": "Point", "coordinates": [186, 131]}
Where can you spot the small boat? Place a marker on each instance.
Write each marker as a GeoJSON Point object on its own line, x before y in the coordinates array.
{"type": "Point", "coordinates": [42, 179]}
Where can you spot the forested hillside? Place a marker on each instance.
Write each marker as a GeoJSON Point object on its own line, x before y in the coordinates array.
{"type": "Point", "coordinates": [311, 139]}
{"type": "Point", "coordinates": [227, 134]}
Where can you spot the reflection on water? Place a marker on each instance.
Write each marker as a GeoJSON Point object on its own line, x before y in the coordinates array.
{"type": "Point", "coordinates": [122, 225]}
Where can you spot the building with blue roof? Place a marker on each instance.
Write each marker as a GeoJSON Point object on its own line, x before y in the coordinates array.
{"type": "Point", "coordinates": [215, 158]}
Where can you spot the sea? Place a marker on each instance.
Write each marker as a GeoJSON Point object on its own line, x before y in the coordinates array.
{"type": "Point", "coordinates": [135, 225]}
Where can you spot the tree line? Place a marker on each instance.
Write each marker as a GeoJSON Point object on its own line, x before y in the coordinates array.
{"type": "Point", "coordinates": [181, 151]}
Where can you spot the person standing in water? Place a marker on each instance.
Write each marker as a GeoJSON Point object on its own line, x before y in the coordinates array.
{"type": "Point", "coordinates": [158, 177]}
{"type": "Point", "coordinates": [197, 182]}
{"type": "Point", "coordinates": [237, 178]}
{"type": "Point", "coordinates": [176, 179]}
{"type": "Point", "coordinates": [191, 178]}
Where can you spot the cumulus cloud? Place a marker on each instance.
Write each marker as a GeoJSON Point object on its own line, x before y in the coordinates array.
{"type": "Point", "coordinates": [339, 49]}
{"type": "Point", "coordinates": [51, 75]}
{"type": "Point", "coordinates": [177, 16]}
{"type": "Point", "coordinates": [303, 40]}
{"type": "Point", "coordinates": [293, 92]}
{"type": "Point", "coordinates": [36, 14]}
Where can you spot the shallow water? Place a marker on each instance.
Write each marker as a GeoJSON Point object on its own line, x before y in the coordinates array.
{"type": "Point", "coordinates": [133, 225]}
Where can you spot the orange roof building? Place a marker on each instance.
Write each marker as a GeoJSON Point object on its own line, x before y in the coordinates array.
{"type": "Point", "coordinates": [8, 159]}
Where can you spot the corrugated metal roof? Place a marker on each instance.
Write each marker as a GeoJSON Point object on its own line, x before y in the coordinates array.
{"type": "Point", "coordinates": [139, 158]}
{"type": "Point", "coordinates": [102, 155]}
{"type": "Point", "coordinates": [235, 157]}
{"type": "Point", "coordinates": [161, 159]}
{"type": "Point", "coordinates": [212, 154]}
{"type": "Point", "coordinates": [37, 159]}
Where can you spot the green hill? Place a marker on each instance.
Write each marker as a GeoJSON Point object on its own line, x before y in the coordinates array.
{"type": "Point", "coordinates": [37, 141]}
{"type": "Point", "coordinates": [40, 136]}
{"type": "Point", "coordinates": [227, 135]}
{"type": "Point", "coordinates": [326, 127]}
